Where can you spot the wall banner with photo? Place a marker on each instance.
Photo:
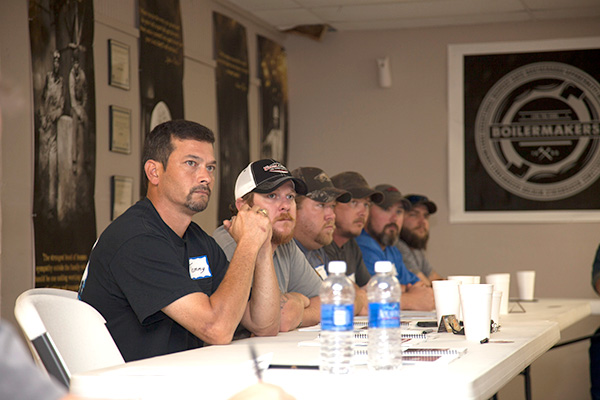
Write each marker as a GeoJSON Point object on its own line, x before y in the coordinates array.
{"type": "Point", "coordinates": [64, 218]}
{"type": "Point", "coordinates": [160, 65]}
{"type": "Point", "coordinates": [272, 72]}
{"type": "Point", "coordinates": [524, 131]}
{"type": "Point", "coordinates": [232, 76]}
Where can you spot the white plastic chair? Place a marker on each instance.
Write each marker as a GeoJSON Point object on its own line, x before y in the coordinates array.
{"type": "Point", "coordinates": [66, 335]}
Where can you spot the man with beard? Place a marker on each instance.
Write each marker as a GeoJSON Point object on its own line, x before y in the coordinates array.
{"type": "Point", "coordinates": [350, 219]}
{"type": "Point", "coordinates": [316, 224]}
{"type": "Point", "coordinates": [414, 236]}
{"type": "Point", "coordinates": [269, 185]}
{"type": "Point", "coordinates": [164, 285]}
{"type": "Point", "coordinates": [377, 240]}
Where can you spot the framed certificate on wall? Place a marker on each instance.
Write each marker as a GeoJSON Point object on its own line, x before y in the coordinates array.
{"type": "Point", "coordinates": [120, 129]}
{"type": "Point", "coordinates": [118, 58]}
{"type": "Point", "coordinates": [121, 193]}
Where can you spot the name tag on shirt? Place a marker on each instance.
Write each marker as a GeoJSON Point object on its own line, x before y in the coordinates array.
{"type": "Point", "coordinates": [321, 271]}
{"type": "Point", "coordinates": [199, 268]}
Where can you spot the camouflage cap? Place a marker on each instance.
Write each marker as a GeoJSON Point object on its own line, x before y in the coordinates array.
{"type": "Point", "coordinates": [319, 186]}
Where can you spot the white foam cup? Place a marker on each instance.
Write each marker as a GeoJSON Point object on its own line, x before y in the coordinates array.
{"type": "Point", "coordinates": [476, 302]}
{"type": "Point", "coordinates": [501, 283]}
{"type": "Point", "coordinates": [526, 284]}
{"type": "Point", "coordinates": [447, 298]}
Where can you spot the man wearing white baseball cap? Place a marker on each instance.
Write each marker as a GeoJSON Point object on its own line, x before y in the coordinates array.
{"type": "Point", "coordinates": [269, 185]}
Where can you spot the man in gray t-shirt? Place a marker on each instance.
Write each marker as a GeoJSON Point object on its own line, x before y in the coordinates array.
{"type": "Point", "coordinates": [269, 185]}
{"type": "Point", "coordinates": [414, 236]}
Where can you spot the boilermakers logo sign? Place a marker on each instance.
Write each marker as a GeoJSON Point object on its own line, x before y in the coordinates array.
{"type": "Point", "coordinates": [537, 131]}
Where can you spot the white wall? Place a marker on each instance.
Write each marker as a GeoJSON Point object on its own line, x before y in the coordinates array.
{"type": "Point", "coordinates": [340, 119]}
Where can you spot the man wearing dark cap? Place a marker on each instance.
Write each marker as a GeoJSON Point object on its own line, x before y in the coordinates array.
{"type": "Point", "coordinates": [269, 185]}
{"type": "Point", "coordinates": [377, 241]}
{"type": "Point", "coordinates": [414, 236]}
{"type": "Point", "coordinates": [350, 219]}
{"type": "Point", "coordinates": [316, 223]}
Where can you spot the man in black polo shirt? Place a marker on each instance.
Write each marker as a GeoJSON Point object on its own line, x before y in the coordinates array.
{"type": "Point", "coordinates": [164, 285]}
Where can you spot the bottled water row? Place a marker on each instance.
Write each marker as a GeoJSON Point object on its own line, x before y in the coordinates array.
{"type": "Point", "coordinates": [337, 319]}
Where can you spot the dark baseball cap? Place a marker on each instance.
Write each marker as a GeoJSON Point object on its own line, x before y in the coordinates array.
{"type": "Point", "coordinates": [264, 176]}
{"type": "Point", "coordinates": [416, 199]}
{"type": "Point", "coordinates": [358, 187]}
{"type": "Point", "coordinates": [319, 186]}
{"type": "Point", "coordinates": [391, 196]}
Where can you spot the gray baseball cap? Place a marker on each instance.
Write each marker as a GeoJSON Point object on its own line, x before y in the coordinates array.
{"type": "Point", "coordinates": [319, 186]}
{"type": "Point", "coordinates": [358, 187]}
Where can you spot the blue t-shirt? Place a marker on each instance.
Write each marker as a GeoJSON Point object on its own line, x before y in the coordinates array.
{"type": "Point", "coordinates": [371, 251]}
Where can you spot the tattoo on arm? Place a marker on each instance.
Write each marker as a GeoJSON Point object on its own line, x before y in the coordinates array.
{"type": "Point", "coordinates": [283, 300]}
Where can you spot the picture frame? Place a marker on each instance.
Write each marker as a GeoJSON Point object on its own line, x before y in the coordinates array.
{"type": "Point", "coordinates": [119, 68]}
{"type": "Point", "coordinates": [120, 129]}
{"type": "Point", "coordinates": [121, 195]}
{"type": "Point", "coordinates": [502, 171]}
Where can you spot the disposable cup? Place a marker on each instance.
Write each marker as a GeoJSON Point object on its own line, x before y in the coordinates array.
{"type": "Point", "coordinates": [447, 298]}
{"type": "Point", "coordinates": [526, 284]}
{"type": "Point", "coordinates": [501, 283]}
{"type": "Point", "coordinates": [476, 301]}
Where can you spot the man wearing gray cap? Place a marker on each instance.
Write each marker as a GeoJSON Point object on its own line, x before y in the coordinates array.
{"type": "Point", "coordinates": [377, 240]}
{"type": "Point", "coordinates": [350, 219]}
{"type": "Point", "coordinates": [316, 223]}
{"type": "Point", "coordinates": [414, 236]}
{"type": "Point", "coordinates": [269, 185]}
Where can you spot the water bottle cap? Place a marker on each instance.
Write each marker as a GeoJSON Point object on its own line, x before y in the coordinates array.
{"type": "Point", "coordinates": [383, 266]}
{"type": "Point", "coordinates": [337, 267]}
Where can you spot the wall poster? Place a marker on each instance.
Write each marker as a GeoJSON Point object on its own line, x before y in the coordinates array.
{"type": "Point", "coordinates": [524, 131]}
{"type": "Point", "coordinates": [232, 76]}
{"type": "Point", "coordinates": [272, 72]}
{"type": "Point", "coordinates": [64, 218]}
{"type": "Point", "coordinates": [160, 65]}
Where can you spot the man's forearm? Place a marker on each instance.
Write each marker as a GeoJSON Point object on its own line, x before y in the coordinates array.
{"type": "Point", "coordinates": [263, 316]}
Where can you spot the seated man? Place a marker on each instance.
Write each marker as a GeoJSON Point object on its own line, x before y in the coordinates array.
{"type": "Point", "coordinates": [377, 240]}
{"type": "Point", "coordinates": [164, 285]}
{"type": "Point", "coordinates": [414, 235]}
{"type": "Point", "coordinates": [316, 223]}
{"type": "Point", "coordinates": [268, 184]}
{"type": "Point", "coordinates": [350, 219]}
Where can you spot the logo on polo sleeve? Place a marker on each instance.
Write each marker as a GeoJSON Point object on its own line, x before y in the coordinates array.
{"type": "Point", "coordinates": [199, 268]}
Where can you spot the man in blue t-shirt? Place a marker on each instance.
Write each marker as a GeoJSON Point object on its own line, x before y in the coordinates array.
{"type": "Point", "coordinates": [377, 240]}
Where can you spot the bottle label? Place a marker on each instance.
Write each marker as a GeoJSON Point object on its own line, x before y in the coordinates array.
{"type": "Point", "coordinates": [384, 315]}
{"type": "Point", "coordinates": [337, 317]}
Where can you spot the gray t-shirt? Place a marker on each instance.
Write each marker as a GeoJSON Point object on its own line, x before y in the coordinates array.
{"type": "Point", "coordinates": [414, 259]}
{"type": "Point", "coordinates": [293, 271]}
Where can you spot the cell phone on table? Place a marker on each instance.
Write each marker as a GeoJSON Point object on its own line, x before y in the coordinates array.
{"type": "Point", "coordinates": [427, 324]}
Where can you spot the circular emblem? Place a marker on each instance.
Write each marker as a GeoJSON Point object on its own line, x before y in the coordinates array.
{"type": "Point", "coordinates": [537, 131]}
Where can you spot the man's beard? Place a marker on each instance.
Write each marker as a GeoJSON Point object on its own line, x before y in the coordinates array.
{"type": "Point", "coordinates": [385, 237]}
{"type": "Point", "coordinates": [280, 238]}
{"type": "Point", "coordinates": [414, 241]}
{"type": "Point", "coordinates": [325, 237]}
{"type": "Point", "coordinates": [200, 205]}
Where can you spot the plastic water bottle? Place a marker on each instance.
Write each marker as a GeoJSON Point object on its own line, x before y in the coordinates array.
{"type": "Point", "coordinates": [337, 320]}
{"type": "Point", "coordinates": [385, 338]}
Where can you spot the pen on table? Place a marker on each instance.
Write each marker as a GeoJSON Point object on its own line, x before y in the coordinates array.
{"type": "Point", "coordinates": [282, 366]}
{"type": "Point", "coordinates": [256, 367]}
{"type": "Point", "coordinates": [426, 331]}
